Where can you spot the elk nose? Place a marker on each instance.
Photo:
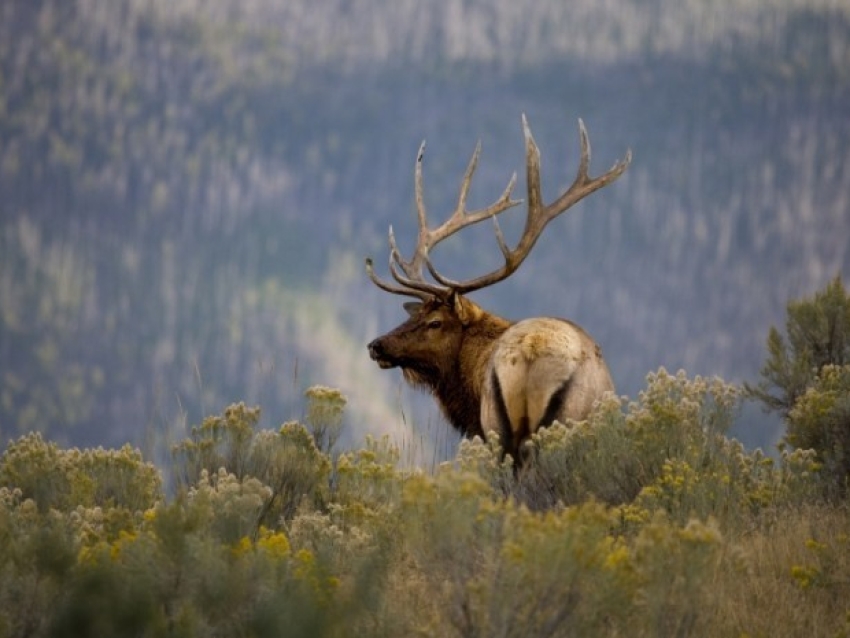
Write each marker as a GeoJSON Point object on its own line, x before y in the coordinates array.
{"type": "Point", "coordinates": [375, 349]}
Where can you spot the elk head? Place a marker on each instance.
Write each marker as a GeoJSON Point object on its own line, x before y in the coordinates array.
{"type": "Point", "coordinates": [435, 326]}
{"type": "Point", "coordinates": [450, 345]}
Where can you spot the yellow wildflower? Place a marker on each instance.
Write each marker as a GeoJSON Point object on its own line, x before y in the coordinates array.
{"type": "Point", "coordinates": [242, 547]}
{"type": "Point", "coordinates": [275, 545]}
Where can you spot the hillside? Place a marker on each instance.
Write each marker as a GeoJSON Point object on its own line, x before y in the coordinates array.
{"type": "Point", "coordinates": [187, 191]}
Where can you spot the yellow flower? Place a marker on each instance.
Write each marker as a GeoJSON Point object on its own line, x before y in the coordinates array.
{"type": "Point", "coordinates": [815, 546]}
{"type": "Point", "coordinates": [804, 575]}
{"type": "Point", "coordinates": [89, 553]}
{"type": "Point", "coordinates": [124, 538]}
{"type": "Point", "coordinates": [306, 562]}
{"type": "Point", "coordinates": [242, 547]}
{"type": "Point", "coordinates": [513, 552]}
{"type": "Point", "coordinates": [312, 575]}
{"type": "Point", "coordinates": [698, 532]}
{"type": "Point", "coordinates": [617, 557]}
{"type": "Point", "coordinates": [275, 545]}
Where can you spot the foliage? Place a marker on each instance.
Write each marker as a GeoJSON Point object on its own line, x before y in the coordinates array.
{"type": "Point", "coordinates": [820, 421]}
{"type": "Point", "coordinates": [807, 379]}
{"type": "Point", "coordinates": [818, 335]}
{"type": "Point", "coordinates": [278, 469]}
{"type": "Point", "coordinates": [667, 450]}
{"type": "Point", "coordinates": [324, 415]}
{"type": "Point", "coordinates": [649, 523]}
{"type": "Point", "coordinates": [54, 478]}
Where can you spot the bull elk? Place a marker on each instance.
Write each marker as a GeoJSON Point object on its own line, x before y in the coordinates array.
{"type": "Point", "coordinates": [488, 373]}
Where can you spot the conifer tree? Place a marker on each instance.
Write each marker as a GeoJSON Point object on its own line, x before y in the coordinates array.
{"type": "Point", "coordinates": [807, 379]}
{"type": "Point", "coordinates": [818, 335]}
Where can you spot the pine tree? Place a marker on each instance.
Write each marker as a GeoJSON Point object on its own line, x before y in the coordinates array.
{"type": "Point", "coordinates": [818, 335]}
{"type": "Point", "coordinates": [807, 379]}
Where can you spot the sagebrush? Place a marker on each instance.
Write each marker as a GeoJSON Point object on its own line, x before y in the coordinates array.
{"type": "Point", "coordinates": [643, 521]}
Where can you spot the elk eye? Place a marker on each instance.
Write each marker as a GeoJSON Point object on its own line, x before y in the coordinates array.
{"type": "Point", "coordinates": [436, 323]}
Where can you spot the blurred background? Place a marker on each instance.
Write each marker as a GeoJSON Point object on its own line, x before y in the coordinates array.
{"type": "Point", "coordinates": [188, 189]}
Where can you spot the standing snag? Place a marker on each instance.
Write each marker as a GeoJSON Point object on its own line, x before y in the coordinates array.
{"type": "Point", "coordinates": [490, 374]}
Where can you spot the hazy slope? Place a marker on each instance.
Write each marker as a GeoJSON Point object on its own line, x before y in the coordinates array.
{"type": "Point", "coordinates": [187, 189]}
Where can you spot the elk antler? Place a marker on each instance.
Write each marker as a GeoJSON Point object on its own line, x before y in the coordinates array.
{"type": "Point", "coordinates": [412, 281]}
{"type": "Point", "coordinates": [411, 277]}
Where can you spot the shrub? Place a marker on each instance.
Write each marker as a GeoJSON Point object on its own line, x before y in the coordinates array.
{"type": "Point", "coordinates": [820, 421]}
{"type": "Point", "coordinates": [818, 335]}
{"type": "Point", "coordinates": [219, 442]}
{"type": "Point", "coordinates": [806, 379]}
{"type": "Point", "coordinates": [487, 566]}
{"type": "Point", "coordinates": [665, 451]}
{"type": "Point", "coordinates": [287, 463]}
{"type": "Point", "coordinates": [647, 522]}
{"type": "Point", "coordinates": [61, 479]}
{"type": "Point", "coordinates": [325, 407]}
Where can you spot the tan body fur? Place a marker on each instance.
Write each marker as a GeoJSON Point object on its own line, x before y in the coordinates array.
{"type": "Point", "coordinates": [541, 370]}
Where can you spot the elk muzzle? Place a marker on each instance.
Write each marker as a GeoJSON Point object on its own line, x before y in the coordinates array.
{"type": "Point", "coordinates": [379, 354]}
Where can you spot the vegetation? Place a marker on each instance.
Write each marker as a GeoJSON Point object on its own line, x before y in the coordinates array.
{"type": "Point", "coordinates": [645, 521]}
{"type": "Point", "coordinates": [817, 336]}
{"type": "Point", "coordinates": [186, 186]}
{"type": "Point", "coordinates": [175, 174]}
{"type": "Point", "coordinates": [807, 379]}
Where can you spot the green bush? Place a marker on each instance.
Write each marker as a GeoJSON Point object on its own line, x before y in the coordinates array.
{"type": "Point", "coordinates": [279, 468]}
{"type": "Point", "coordinates": [665, 451]}
{"type": "Point", "coordinates": [61, 479]}
{"type": "Point", "coordinates": [820, 421]}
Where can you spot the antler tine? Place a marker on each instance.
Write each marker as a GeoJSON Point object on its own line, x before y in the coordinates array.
{"type": "Point", "coordinates": [539, 215]}
{"type": "Point", "coordinates": [408, 273]}
{"type": "Point", "coordinates": [383, 285]}
{"type": "Point", "coordinates": [413, 268]}
{"type": "Point", "coordinates": [584, 185]}
{"type": "Point", "coordinates": [411, 282]}
{"type": "Point", "coordinates": [460, 218]}
{"type": "Point", "coordinates": [460, 212]}
{"type": "Point", "coordinates": [584, 157]}
{"type": "Point", "coordinates": [416, 286]}
{"type": "Point", "coordinates": [532, 168]}
{"type": "Point", "coordinates": [408, 286]}
{"type": "Point", "coordinates": [395, 255]}
{"type": "Point", "coordinates": [467, 180]}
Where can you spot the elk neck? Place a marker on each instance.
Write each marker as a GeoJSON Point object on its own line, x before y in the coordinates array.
{"type": "Point", "coordinates": [459, 392]}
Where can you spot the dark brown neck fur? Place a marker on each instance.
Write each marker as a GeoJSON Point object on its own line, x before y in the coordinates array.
{"type": "Point", "coordinates": [459, 392]}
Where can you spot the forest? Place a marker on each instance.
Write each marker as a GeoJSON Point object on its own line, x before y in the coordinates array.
{"type": "Point", "coordinates": [188, 191]}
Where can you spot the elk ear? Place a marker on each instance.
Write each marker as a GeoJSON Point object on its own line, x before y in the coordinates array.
{"type": "Point", "coordinates": [413, 307]}
{"type": "Point", "coordinates": [466, 310]}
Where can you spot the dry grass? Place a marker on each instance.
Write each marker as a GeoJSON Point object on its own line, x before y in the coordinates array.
{"type": "Point", "coordinates": [789, 578]}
